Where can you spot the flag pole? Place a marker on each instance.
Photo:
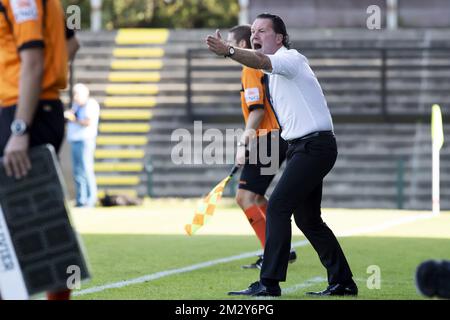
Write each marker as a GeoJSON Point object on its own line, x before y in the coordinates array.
{"type": "Point", "coordinates": [437, 135]}
{"type": "Point", "coordinates": [436, 180]}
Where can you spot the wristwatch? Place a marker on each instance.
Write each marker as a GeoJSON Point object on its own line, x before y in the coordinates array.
{"type": "Point", "coordinates": [231, 51]}
{"type": "Point", "coordinates": [19, 127]}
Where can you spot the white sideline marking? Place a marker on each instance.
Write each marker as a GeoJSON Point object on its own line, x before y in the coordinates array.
{"type": "Point", "coordinates": [289, 290]}
{"type": "Point", "coordinates": [387, 225]}
{"type": "Point", "coordinates": [306, 284]}
{"type": "Point", "coordinates": [207, 264]}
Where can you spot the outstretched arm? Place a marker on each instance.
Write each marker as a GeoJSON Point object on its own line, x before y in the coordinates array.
{"type": "Point", "coordinates": [249, 58]}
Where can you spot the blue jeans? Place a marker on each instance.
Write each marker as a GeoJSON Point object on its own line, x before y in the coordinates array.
{"type": "Point", "coordinates": [83, 172]}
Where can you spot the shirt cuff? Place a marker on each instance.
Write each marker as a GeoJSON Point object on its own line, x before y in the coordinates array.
{"type": "Point", "coordinates": [255, 106]}
{"type": "Point", "coordinates": [31, 45]}
{"type": "Point", "coordinates": [273, 62]}
{"type": "Point", "coordinates": [70, 33]}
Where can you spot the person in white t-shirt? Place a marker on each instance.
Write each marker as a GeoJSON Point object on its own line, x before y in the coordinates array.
{"type": "Point", "coordinates": [83, 120]}
{"type": "Point", "coordinates": [302, 112]}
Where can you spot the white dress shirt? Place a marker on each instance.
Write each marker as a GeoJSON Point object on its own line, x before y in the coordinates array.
{"type": "Point", "coordinates": [296, 95]}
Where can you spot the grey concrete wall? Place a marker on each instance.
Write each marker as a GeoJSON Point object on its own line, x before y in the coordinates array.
{"type": "Point", "coordinates": [352, 13]}
{"type": "Point", "coordinates": [420, 13]}
{"type": "Point", "coordinates": [317, 13]}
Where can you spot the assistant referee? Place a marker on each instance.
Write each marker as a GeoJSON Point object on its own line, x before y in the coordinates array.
{"type": "Point", "coordinates": [306, 124]}
{"type": "Point", "coordinates": [35, 49]}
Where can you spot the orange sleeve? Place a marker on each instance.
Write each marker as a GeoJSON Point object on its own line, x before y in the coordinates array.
{"type": "Point", "coordinates": [26, 21]}
{"type": "Point", "coordinates": [253, 88]}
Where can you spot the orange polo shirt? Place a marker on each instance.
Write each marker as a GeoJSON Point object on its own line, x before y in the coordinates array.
{"type": "Point", "coordinates": [253, 97]}
{"type": "Point", "coordinates": [26, 24]}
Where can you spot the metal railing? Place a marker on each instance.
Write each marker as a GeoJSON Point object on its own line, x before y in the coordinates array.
{"type": "Point", "coordinates": [71, 84]}
{"type": "Point", "coordinates": [382, 55]}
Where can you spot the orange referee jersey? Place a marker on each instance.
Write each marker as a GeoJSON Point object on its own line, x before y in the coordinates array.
{"type": "Point", "coordinates": [253, 97]}
{"type": "Point", "coordinates": [28, 24]}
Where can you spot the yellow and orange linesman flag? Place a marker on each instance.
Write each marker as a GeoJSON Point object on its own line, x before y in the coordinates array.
{"type": "Point", "coordinates": [206, 207]}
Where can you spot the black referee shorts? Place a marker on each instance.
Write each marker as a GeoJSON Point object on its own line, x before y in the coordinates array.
{"type": "Point", "coordinates": [252, 177]}
{"type": "Point", "coordinates": [47, 127]}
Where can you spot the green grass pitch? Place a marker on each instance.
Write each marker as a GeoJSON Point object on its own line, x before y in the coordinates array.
{"type": "Point", "coordinates": [129, 243]}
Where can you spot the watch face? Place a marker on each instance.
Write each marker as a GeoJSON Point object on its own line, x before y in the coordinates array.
{"type": "Point", "coordinates": [18, 127]}
{"type": "Point", "coordinates": [231, 50]}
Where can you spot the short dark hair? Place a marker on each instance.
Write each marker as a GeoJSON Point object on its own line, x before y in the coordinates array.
{"type": "Point", "coordinates": [278, 26]}
{"type": "Point", "coordinates": [242, 32]}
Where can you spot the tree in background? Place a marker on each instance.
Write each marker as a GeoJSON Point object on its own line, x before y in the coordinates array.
{"type": "Point", "coordinates": [162, 13]}
{"type": "Point", "coordinates": [85, 10]}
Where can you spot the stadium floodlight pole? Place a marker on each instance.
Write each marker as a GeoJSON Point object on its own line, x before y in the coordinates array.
{"type": "Point", "coordinates": [437, 135]}
{"type": "Point", "coordinates": [392, 14]}
{"type": "Point", "coordinates": [96, 15]}
{"type": "Point", "coordinates": [243, 12]}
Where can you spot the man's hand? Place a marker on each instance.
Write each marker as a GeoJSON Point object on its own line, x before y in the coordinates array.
{"type": "Point", "coordinates": [241, 155]}
{"type": "Point", "coordinates": [16, 160]}
{"type": "Point", "coordinates": [217, 45]}
{"type": "Point", "coordinates": [70, 116]}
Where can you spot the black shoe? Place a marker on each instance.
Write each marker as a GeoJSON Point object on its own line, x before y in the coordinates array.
{"type": "Point", "coordinates": [259, 262]}
{"type": "Point", "coordinates": [256, 265]}
{"type": "Point", "coordinates": [292, 256]}
{"type": "Point", "coordinates": [337, 290]}
{"type": "Point", "coordinates": [257, 289]}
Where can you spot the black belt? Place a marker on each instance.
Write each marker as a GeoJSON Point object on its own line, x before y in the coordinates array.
{"type": "Point", "coordinates": [312, 135]}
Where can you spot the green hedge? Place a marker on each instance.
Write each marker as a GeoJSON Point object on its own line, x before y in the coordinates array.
{"type": "Point", "coordinates": [162, 13]}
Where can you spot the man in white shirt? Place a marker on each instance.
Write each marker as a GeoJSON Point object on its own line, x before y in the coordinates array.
{"type": "Point", "coordinates": [81, 134]}
{"type": "Point", "coordinates": [302, 112]}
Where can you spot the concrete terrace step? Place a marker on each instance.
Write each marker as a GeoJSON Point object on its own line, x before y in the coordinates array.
{"type": "Point", "coordinates": [209, 64]}
{"type": "Point", "coordinates": [360, 130]}
{"type": "Point", "coordinates": [123, 76]}
{"type": "Point", "coordinates": [366, 170]}
{"type": "Point", "coordinates": [342, 159]}
{"type": "Point", "coordinates": [298, 35]}
{"type": "Point", "coordinates": [166, 50]}
{"type": "Point", "coordinates": [328, 87]}
{"type": "Point", "coordinates": [331, 198]}
{"type": "Point", "coordinates": [342, 140]}
{"type": "Point", "coordinates": [147, 63]}
{"type": "Point", "coordinates": [358, 153]}
{"type": "Point", "coordinates": [344, 128]}
{"type": "Point", "coordinates": [346, 86]}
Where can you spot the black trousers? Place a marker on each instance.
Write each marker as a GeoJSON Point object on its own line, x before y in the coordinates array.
{"type": "Point", "coordinates": [299, 192]}
{"type": "Point", "coordinates": [252, 178]}
{"type": "Point", "coordinates": [48, 125]}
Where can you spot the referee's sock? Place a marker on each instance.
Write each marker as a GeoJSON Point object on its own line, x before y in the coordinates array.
{"type": "Point", "coordinates": [60, 295]}
{"type": "Point", "coordinates": [263, 208]}
{"type": "Point", "coordinates": [257, 220]}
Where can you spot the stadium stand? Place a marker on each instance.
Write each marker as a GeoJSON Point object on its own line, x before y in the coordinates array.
{"type": "Point", "coordinates": [379, 86]}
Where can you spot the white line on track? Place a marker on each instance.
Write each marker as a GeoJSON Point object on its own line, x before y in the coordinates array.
{"type": "Point", "coordinates": [211, 263]}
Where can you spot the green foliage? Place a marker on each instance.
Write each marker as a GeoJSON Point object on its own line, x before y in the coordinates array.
{"type": "Point", "coordinates": [162, 13]}
{"type": "Point", "coordinates": [85, 10]}
{"type": "Point", "coordinates": [196, 13]}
